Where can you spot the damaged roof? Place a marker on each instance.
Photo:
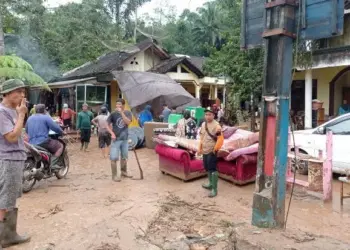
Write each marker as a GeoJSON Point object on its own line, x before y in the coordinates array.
{"type": "Point", "coordinates": [193, 63]}
{"type": "Point", "coordinates": [111, 61]}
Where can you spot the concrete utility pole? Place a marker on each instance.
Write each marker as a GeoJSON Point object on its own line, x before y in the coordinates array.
{"type": "Point", "coordinates": [275, 21]}
{"type": "Point", "coordinates": [270, 189]}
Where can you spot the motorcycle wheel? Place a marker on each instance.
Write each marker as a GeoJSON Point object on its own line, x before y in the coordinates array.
{"type": "Point", "coordinates": [63, 171]}
{"type": "Point", "coordinates": [28, 184]}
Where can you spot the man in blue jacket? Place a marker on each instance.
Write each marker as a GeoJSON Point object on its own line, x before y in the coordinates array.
{"type": "Point", "coordinates": [38, 127]}
{"type": "Point", "coordinates": [145, 116]}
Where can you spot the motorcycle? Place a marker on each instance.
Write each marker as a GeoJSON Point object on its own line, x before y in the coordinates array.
{"type": "Point", "coordinates": [38, 165]}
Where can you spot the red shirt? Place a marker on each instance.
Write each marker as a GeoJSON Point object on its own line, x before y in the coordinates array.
{"type": "Point", "coordinates": [67, 114]}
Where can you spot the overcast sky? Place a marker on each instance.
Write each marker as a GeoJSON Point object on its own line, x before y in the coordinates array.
{"type": "Point", "coordinates": [148, 7]}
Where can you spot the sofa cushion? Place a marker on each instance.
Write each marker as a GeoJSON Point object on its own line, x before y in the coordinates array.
{"type": "Point", "coordinates": [196, 165]}
{"type": "Point", "coordinates": [242, 151]}
{"type": "Point", "coordinates": [174, 153]}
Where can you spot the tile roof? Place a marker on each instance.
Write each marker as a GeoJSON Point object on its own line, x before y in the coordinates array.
{"type": "Point", "coordinates": [110, 61]}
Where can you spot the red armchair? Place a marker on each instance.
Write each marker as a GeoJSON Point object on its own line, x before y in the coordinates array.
{"type": "Point", "coordinates": [178, 163]}
{"type": "Point", "coordinates": [240, 171]}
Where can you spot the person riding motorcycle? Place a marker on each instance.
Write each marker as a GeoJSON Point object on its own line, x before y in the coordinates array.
{"type": "Point", "coordinates": [38, 127]}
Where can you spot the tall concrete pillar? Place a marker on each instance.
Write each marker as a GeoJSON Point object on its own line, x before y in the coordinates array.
{"type": "Point", "coordinates": [215, 91]}
{"type": "Point", "coordinates": [198, 92]}
{"type": "Point", "coordinates": [308, 99]}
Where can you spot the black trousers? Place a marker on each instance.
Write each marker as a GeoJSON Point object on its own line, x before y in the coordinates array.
{"type": "Point", "coordinates": [210, 161]}
{"type": "Point", "coordinates": [85, 135]}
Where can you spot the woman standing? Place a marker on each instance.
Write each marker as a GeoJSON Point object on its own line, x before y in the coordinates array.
{"type": "Point", "coordinates": [66, 116]}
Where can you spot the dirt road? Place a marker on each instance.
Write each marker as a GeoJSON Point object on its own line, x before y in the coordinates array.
{"type": "Point", "coordinates": [89, 211]}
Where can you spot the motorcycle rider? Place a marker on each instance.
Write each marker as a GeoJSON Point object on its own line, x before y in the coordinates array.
{"type": "Point", "coordinates": [38, 127]}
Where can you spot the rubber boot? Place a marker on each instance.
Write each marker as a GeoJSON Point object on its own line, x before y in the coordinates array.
{"type": "Point", "coordinates": [86, 145]}
{"type": "Point", "coordinates": [208, 185]}
{"type": "Point", "coordinates": [2, 228]}
{"type": "Point", "coordinates": [54, 161]}
{"type": "Point", "coordinates": [124, 169]}
{"type": "Point", "coordinates": [119, 173]}
{"type": "Point", "coordinates": [10, 236]}
{"type": "Point", "coordinates": [214, 183]}
{"type": "Point", "coordinates": [82, 146]}
{"type": "Point", "coordinates": [114, 170]}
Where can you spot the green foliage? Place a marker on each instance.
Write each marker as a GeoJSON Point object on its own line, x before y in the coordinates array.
{"type": "Point", "coordinates": [245, 68]}
{"type": "Point", "coordinates": [15, 63]}
{"type": "Point", "coordinates": [12, 67]}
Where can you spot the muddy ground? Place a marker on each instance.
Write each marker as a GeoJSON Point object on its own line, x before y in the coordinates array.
{"type": "Point", "coordinates": [89, 211]}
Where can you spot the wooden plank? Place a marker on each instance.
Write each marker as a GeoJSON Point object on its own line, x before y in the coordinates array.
{"type": "Point", "coordinates": [319, 21]}
{"type": "Point", "coordinates": [252, 23]}
{"type": "Point", "coordinates": [298, 182]}
{"type": "Point", "coordinates": [327, 169]}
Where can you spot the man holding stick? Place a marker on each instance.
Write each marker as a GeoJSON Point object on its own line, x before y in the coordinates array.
{"type": "Point", "coordinates": [118, 123]}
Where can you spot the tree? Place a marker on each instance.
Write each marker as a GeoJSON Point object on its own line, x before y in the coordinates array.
{"type": "Point", "coordinates": [207, 26]}
{"type": "Point", "coordinates": [76, 33]}
{"type": "Point", "coordinates": [13, 67]}
{"type": "Point", "coordinates": [121, 11]}
{"type": "Point", "coordinates": [245, 68]}
{"type": "Point", "coordinates": [2, 39]}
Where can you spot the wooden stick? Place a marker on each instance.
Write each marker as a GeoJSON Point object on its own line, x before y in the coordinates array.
{"type": "Point", "coordinates": [327, 169]}
{"type": "Point", "coordinates": [138, 164]}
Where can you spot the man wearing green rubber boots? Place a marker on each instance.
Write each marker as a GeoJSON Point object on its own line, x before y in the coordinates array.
{"type": "Point", "coordinates": [211, 140]}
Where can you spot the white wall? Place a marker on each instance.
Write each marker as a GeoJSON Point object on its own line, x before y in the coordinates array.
{"type": "Point", "coordinates": [148, 61]}
{"type": "Point", "coordinates": [139, 58]}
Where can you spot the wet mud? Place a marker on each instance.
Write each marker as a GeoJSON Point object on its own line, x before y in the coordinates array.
{"type": "Point", "coordinates": [88, 211]}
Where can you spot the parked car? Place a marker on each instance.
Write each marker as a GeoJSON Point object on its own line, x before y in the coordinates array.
{"type": "Point", "coordinates": [312, 140]}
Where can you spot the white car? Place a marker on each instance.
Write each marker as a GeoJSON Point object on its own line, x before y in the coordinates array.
{"type": "Point", "coordinates": [312, 140]}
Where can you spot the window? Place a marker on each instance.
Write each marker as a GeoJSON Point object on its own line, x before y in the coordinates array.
{"type": "Point", "coordinates": [341, 128]}
{"type": "Point", "coordinates": [94, 96]}
{"type": "Point", "coordinates": [80, 96]}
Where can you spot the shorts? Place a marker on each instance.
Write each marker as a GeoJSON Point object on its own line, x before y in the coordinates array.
{"type": "Point", "coordinates": [67, 122]}
{"type": "Point", "coordinates": [51, 145]}
{"type": "Point", "coordinates": [85, 135]}
{"type": "Point", "coordinates": [104, 139]}
{"type": "Point", "coordinates": [210, 161]}
{"type": "Point", "coordinates": [11, 177]}
{"type": "Point", "coordinates": [119, 147]}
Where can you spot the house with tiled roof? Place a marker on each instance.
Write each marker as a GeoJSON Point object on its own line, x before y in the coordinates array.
{"type": "Point", "coordinates": [95, 84]}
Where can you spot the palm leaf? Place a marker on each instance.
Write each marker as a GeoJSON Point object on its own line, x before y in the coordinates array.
{"type": "Point", "coordinates": [14, 67]}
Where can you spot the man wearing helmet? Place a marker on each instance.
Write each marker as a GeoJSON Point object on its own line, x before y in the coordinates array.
{"type": "Point", "coordinates": [104, 137]}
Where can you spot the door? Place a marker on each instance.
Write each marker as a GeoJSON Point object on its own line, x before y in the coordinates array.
{"type": "Point", "coordinates": [346, 95]}
{"type": "Point", "coordinates": [341, 145]}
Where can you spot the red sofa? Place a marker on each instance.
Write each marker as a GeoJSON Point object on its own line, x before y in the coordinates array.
{"type": "Point", "coordinates": [178, 163]}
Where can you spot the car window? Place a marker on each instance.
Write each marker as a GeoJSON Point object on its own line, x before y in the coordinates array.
{"type": "Point", "coordinates": [342, 128]}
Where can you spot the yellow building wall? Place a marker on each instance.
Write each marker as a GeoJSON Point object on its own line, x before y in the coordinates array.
{"type": "Point", "coordinates": [114, 96]}
{"type": "Point", "coordinates": [324, 77]}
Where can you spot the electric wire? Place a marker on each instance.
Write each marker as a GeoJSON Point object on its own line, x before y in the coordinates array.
{"type": "Point", "coordinates": [296, 59]}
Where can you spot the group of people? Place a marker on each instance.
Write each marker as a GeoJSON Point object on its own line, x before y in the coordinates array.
{"type": "Point", "coordinates": [147, 116]}
{"type": "Point", "coordinates": [13, 110]}
{"type": "Point", "coordinates": [112, 130]}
